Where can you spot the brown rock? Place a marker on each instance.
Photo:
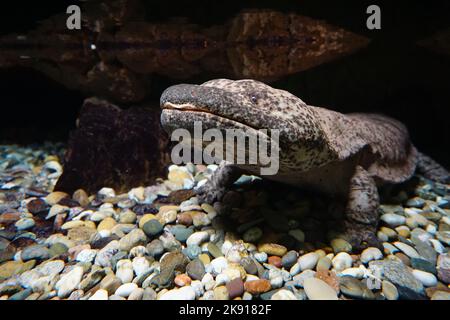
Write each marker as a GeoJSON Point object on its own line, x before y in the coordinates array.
{"type": "Point", "coordinates": [179, 196]}
{"type": "Point", "coordinates": [275, 261]}
{"type": "Point", "coordinates": [404, 258]}
{"type": "Point", "coordinates": [37, 206]}
{"type": "Point", "coordinates": [182, 280]}
{"type": "Point", "coordinates": [235, 288]}
{"type": "Point", "coordinates": [9, 218]}
{"type": "Point", "coordinates": [329, 277]}
{"type": "Point", "coordinates": [257, 286]}
{"type": "Point", "coordinates": [112, 147]}
{"type": "Point", "coordinates": [185, 218]}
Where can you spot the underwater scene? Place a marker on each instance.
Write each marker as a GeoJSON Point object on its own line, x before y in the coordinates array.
{"type": "Point", "coordinates": [251, 150]}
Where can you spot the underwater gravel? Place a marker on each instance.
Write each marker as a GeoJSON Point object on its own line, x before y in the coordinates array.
{"type": "Point", "coordinates": [159, 242]}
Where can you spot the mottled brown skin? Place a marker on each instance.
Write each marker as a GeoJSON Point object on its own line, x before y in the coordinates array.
{"type": "Point", "coordinates": [345, 156]}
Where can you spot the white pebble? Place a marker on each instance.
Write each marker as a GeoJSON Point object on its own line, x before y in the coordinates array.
{"type": "Point", "coordinates": [393, 219]}
{"type": "Point", "coordinates": [222, 279]}
{"type": "Point", "coordinates": [100, 294]}
{"type": "Point", "coordinates": [283, 294]}
{"type": "Point", "coordinates": [219, 264]}
{"type": "Point", "coordinates": [427, 279]}
{"type": "Point", "coordinates": [295, 269]}
{"type": "Point", "coordinates": [184, 293]}
{"type": "Point", "coordinates": [308, 261]}
{"type": "Point", "coordinates": [370, 254]}
{"type": "Point", "coordinates": [357, 273]}
{"type": "Point", "coordinates": [140, 266]}
{"type": "Point", "coordinates": [408, 250]}
{"type": "Point", "coordinates": [197, 238]}
{"type": "Point", "coordinates": [69, 281]}
{"type": "Point", "coordinates": [342, 261]}
{"type": "Point", "coordinates": [87, 255]}
{"type": "Point", "coordinates": [124, 270]}
{"type": "Point", "coordinates": [438, 246]}
{"type": "Point", "coordinates": [317, 289]}
{"type": "Point", "coordinates": [125, 289]}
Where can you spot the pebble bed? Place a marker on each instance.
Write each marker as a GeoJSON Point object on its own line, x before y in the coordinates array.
{"type": "Point", "coordinates": [159, 243]}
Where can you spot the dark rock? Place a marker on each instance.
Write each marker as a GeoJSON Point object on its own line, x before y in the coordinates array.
{"type": "Point", "coordinates": [443, 266]}
{"type": "Point", "coordinates": [249, 265]}
{"type": "Point", "coordinates": [178, 196]}
{"type": "Point", "coordinates": [181, 233]}
{"type": "Point", "coordinates": [289, 259]}
{"type": "Point", "coordinates": [423, 265]}
{"type": "Point", "coordinates": [235, 288]}
{"type": "Point", "coordinates": [195, 269]}
{"type": "Point", "coordinates": [37, 206]}
{"type": "Point", "coordinates": [100, 243]}
{"type": "Point", "coordinates": [155, 248]}
{"type": "Point", "coordinates": [113, 147]}
{"type": "Point", "coordinates": [21, 295]}
{"type": "Point", "coordinates": [141, 209]}
{"type": "Point", "coordinates": [153, 228]}
{"type": "Point", "coordinates": [35, 252]}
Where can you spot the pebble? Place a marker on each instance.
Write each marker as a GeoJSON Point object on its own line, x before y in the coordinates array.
{"type": "Point", "coordinates": [181, 233]}
{"type": "Point", "coordinates": [69, 281]}
{"type": "Point", "coordinates": [340, 245]}
{"type": "Point", "coordinates": [441, 295]}
{"type": "Point", "coordinates": [300, 278]}
{"type": "Point", "coordinates": [443, 268]}
{"type": "Point", "coordinates": [252, 234]}
{"type": "Point", "coordinates": [393, 220]}
{"type": "Point", "coordinates": [221, 293]}
{"type": "Point", "coordinates": [124, 270]}
{"type": "Point", "coordinates": [406, 249]}
{"type": "Point", "coordinates": [136, 294]}
{"type": "Point", "coordinates": [389, 290]}
{"type": "Point", "coordinates": [135, 238]}
{"type": "Point", "coordinates": [354, 288]}
{"type": "Point", "coordinates": [257, 286]}
{"type": "Point", "coordinates": [370, 254]}
{"type": "Point", "coordinates": [35, 252]}
{"type": "Point", "coordinates": [182, 280]}
{"type": "Point", "coordinates": [283, 294]}
{"type": "Point", "coordinates": [24, 224]}
{"type": "Point", "coordinates": [100, 294]}
{"type": "Point", "coordinates": [195, 269]}
{"type": "Point", "coordinates": [214, 250]}
{"type": "Point", "coordinates": [219, 264]}
{"type": "Point", "coordinates": [140, 265]}
{"type": "Point", "coordinates": [324, 263]}
{"type": "Point", "coordinates": [153, 228]}
{"type": "Point", "coordinates": [235, 288]}
{"type": "Point", "coordinates": [289, 259]}
{"type": "Point", "coordinates": [342, 261]}
{"type": "Point", "coordinates": [183, 293]}
{"type": "Point", "coordinates": [125, 289]}
{"type": "Point", "coordinates": [197, 238]}
{"type": "Point", "coordinates": [86, 255]}
{"type": "Point", "coordinates": [308, 261]}
{"type": "Point", "coordinates": [427, 279]}
{"type": "Point", "coordinates": [110, 283]}
{"type": "Point", "coordinates": [260, 256]}
{"type": "Point", "coordinates": [272, 249]}
{"type": "Point", "coordinates": [317, 289]}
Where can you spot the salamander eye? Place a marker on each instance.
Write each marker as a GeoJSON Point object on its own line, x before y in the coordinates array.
{"type": "Point", "coordinates": [254, 99]}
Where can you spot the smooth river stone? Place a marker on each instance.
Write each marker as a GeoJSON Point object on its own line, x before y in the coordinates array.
{"type": "Point", "coordinates": [317, 289]}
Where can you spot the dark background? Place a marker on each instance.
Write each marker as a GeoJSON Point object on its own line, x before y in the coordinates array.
{"type": "Point", "coordinates": [393, 75]}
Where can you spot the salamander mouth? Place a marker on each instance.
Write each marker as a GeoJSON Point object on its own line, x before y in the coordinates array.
{"type": "Point", "coordinates": [201, 113]}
